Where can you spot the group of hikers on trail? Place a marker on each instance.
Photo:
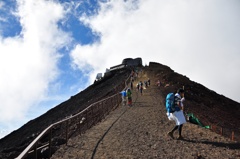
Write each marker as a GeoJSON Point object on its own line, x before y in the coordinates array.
{"type": "Point", "coordinates": [140, 87]}
{"type": "Point", "coordinates": [126, 97]}
{"type": "Point", "coordinates": [127, 94]}
{"type": "Point", "coordinates": [174, 105]}
{"type": "Point", "coordinates": [141, 84]}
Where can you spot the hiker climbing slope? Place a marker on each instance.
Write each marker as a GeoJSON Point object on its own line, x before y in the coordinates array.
{"type": "Point", "coordinates": [176, 113]}
{"type": "Point", "coordinates": [129, 96]}
{"type": "Point", "coordinates": [124, 97]}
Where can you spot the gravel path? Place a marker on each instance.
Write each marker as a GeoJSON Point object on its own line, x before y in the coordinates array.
{"type": "Point", "coordinates": [140, 132]}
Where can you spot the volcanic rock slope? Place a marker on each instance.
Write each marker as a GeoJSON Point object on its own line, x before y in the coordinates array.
{"type": "Point", "coordinates": [140, 131]}
{"type": "Point", "coordinates": [13, 144]}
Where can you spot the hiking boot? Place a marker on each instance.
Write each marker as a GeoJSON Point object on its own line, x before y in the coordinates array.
{"type": "Point", "coordinates": [170, 134]}
{"type": "Point", "coordinates": [179, 138]}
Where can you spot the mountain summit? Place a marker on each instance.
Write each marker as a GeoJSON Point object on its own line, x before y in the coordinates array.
{"type": "Point", "coordinates": [139, 131]}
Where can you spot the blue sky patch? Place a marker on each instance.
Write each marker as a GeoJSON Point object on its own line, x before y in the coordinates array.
{"type": "Point", "coordinates": [9, 23]}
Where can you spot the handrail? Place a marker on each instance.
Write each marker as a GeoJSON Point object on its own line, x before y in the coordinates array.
{"type": "Point", "coordinates": [44, 132]}
{"type": "Point", "coordinates": [23, 154]}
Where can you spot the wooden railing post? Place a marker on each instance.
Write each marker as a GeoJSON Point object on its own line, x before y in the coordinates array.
{"type": "Point", "coordinates": [112, 105]}
{"type": "Point", "coordinates": [98, 114]}
{"type": "Point", "coordinates": [35, 150]}
{"type": "Point", "coordinates": [87, 118]}
{"type": "Point", "coordinates": [232, 135]}
{"type": "Point", "coordinates": [92, 117]}
{"type": "Point", "coordinates": [102, 114]}
{"type": "Point", "coordinates": [117, 100]}
{"type": "Point", "coordinates": [66, 132]}
{"type": "Point", "coordinates": [50, 143]}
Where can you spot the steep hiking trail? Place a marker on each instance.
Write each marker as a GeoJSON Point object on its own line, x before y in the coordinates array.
{"type": "Point", "coordinates": [140, 132]}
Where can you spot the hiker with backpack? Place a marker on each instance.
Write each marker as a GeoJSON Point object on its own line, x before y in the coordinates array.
{"type": "Point", "coordinates": [174, 106]}
{"type": "Point", "coordinates": [124, 97]}
{"type": "Point", "coordinates": [129, 96]}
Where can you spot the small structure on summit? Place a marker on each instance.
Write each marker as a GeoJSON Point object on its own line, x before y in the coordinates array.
{"type": "Point", "coordinates": [132, 62]}
{"type": "Point", "coordinates": [99, 76]}
{"type": "Point", "coordinates": [127, 62]}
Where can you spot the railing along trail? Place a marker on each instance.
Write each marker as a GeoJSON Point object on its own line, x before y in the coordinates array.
{"type": "Point", "coordinates": [59, 132]}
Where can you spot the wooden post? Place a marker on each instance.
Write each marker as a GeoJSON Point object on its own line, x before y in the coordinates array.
{"type": "Point", "coordinates": [66, 132]}
{"type": "Point", "coordinates": [35, 150]}
{"type": "Point", "coordinates": [232, 135]}
{"type": "Point", "coordinates": [98, 114]}
{"type": "Point", "coordinates": [112, 105]}
{"type": "Point", "coordinates": [213, 128]}
{"type": "Point", "coordinates": [221, 130]}
{"type": "Point", "coordinates": [87, 117]}
{"type": "Point", "coordinates": [118, 100]}
{"type": "Point", "coordinates": [102, 112]}
{"type": "Point", "coordinates": [50, 143]}
{"type": "Point", "coordinates": [92, 116]}
{"type": "Point", "coordinates": [80, 126]}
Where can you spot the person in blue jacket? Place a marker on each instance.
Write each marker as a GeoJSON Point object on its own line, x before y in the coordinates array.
{"type": "Point", "coordinates": [124, 97]}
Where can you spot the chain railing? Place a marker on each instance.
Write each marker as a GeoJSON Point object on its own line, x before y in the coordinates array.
{"type": "Point", "coordinates": [59, 132]}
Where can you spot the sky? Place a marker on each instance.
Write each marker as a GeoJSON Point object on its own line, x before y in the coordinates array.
{"type": "Point", "coordinates": [53, 49]}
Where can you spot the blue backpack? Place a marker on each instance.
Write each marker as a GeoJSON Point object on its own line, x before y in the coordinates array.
{"type": "Point", "coordinates": [170, 103]}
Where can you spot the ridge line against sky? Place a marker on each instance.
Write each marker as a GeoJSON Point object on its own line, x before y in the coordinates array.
{"type": "Point", "coordinates": [52, 49]}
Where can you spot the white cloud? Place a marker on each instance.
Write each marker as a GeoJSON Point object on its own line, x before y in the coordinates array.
{"type": "Point", "coordinates": [3, 19]}
{"type": "Point", "coordinates": [200, 39]}
{"type": "Point", "coordinates": [1, 4]}
{"type": "Point", "coordinates": [28, 62]}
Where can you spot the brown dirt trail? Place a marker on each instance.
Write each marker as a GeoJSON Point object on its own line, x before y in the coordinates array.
{"type": "Point", "coordinates": [140, 132]}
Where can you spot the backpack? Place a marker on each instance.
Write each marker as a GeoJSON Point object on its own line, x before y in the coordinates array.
{"type": "Point", "coordinates": [170, 103]}
{"type": "Point", "coordinates": [124, 94]}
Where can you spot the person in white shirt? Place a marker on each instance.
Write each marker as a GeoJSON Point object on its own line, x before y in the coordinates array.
{"type": "Point", "coordinates": [178, 115]}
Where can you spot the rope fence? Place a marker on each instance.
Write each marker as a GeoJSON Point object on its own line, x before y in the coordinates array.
{"type": "Point", "coordinates": [233, 134]}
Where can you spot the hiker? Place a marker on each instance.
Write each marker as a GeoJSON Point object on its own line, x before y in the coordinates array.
{"type": "Point", "coordinates": [178, 115]}
{"type": "Point", "coordinates": [138, 85]}
{"type": "Point", "coordinates": [132, 79]}
{"type": "Point", "coordinates": [158, 83]}
{"type": "Point", "coordinates": [131, 84]}
{"type": "Point", "coordinates": [148, 81]}
{"type": "Point", "coordinates": [132, 74]}
{"type": "Point", "coordinates": [146, 84]}
{"type": "Point", "coordinates": [129, 96]}
{"type": "Point", "coordinates": [124, 97]}
{"type": "Point", "coordinates": [141, 87]}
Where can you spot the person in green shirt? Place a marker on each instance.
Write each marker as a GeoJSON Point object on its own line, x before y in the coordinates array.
{"type": "Point", "coordinates": [129, 96]}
